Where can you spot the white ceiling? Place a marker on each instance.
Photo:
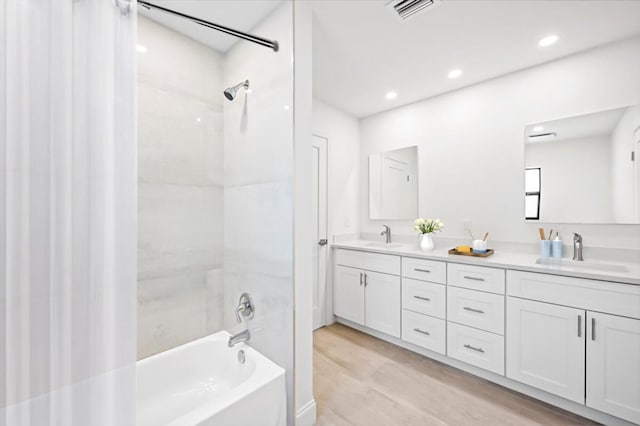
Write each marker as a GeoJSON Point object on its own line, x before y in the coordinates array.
{"type": "Point", "coordinates": [361, 51]}
{"type": "Point", "coordinates": [600, 123]}
{"type": "Point", "coordinates": [240, 15]}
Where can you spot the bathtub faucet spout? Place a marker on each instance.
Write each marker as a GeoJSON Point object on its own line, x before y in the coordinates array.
{"type": "Point", "coordinates": [243, 336]}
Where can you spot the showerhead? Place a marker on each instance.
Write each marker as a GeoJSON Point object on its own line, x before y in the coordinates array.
{"type": "Point", "coordinates": [230, 93]}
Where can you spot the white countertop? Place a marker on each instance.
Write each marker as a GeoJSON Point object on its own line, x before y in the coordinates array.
{"type": "Point", "coordinates": [592, 269]}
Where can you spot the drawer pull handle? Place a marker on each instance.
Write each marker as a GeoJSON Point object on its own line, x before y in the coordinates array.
{"type": "Point", "coordinates": [426, 333]}
{"type": "Point", "coordinates": [474, 348]}
{"type": "Point", "coordinates": [422, 270]}
{"type": "Point", "coordinates": [473, 278]}
{"type": "Point", "coordinates": [422, 298]}
{"type": "Point", "coordinates": [478, 311]}
{"type": "Point", "coordinates": [360, 278]}
{"type": "Point", "coordinates": [593, 329]}
{"type": "Point", "coordinates": [365, 279]}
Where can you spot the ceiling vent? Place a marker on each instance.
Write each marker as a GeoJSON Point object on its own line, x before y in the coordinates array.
{"type": "Point", "coordinates": [405, 9]}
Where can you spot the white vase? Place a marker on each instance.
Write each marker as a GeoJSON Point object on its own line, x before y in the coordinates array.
{"type": "Point", "coordinates": [426, 242]}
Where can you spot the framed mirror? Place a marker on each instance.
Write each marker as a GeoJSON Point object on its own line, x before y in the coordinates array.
{"type": "Point", "coordinates": [584, 169]}
{"type": "Point", "coordinates": [393, 184]}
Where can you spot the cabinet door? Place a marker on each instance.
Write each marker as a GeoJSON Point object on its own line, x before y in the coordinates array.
{"type": "Point", "coordinates": [546, 347]}
{"type": "Point", "coordinates": [613, 365]}
{"type": "Point", "coordinates": [382, 302]}
{"type": "Point", "coordinates": [348, 301]}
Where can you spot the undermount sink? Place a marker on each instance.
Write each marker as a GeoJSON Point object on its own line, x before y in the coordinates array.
{"type": "Point", "coordinates": [586, 265]}
{"type": "Point", "coordinates": [377, 244]}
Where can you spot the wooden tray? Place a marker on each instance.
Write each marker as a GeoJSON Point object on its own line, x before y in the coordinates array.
{"type": "Point", "coordinates": [487, 254]}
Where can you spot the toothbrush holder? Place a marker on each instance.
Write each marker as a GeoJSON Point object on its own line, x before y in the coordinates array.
{"type": "Point", "coordinates": [545, 248]}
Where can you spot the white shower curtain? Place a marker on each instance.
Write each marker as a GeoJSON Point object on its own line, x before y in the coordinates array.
{"type": "Point", "coordinates": [67, 212]}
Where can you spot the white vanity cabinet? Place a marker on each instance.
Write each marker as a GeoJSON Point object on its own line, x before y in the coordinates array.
{"type": "Point", "coordinates": [367, 290]}
{"type": "Point", "coordinates": [424, 303]}
{"type": "Point", "coordinates": [613, 365]}
{"type": "Point", "coordinates": [572, 344]}
{"type": "Point", "coordinates": [577, 339]}
{"type": "Point", "coordinates": [545, 347]}
{"type": "Point", "coordinates": [475, 315]}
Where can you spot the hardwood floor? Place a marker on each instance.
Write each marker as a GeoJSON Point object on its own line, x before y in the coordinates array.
{"type": "Point", "coordinates": [361, 380]}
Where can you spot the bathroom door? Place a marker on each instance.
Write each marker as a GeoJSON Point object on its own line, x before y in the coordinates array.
{"type": "Point", "coordinates": [319, 225]}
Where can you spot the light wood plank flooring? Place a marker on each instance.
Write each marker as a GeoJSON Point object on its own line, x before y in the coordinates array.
{"type": "Point", "coordinates": [361, 380]}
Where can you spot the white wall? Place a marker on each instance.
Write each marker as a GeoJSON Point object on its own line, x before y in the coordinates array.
{"type": "Point", "coordinates": [586, 165]}
{"type": "Point", "coordinates": [471, 149]}
{"type": "Point", "coordinates": [343, 133]}
{"type": "Point", "coordinates": [180, 189]}
{"type": "Point", "coordinates": [622, 166]}
{"type": "Point", "coordinates": [258, 190]}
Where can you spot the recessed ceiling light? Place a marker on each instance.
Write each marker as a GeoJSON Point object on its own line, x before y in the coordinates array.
{"type": "Point", "coordinates": [141, 48]}
{"type": "Point", "coordinates": [538, 129]}
{"type": "Point", "coordinates": [391, 95]}
{"type": "Point", "coordinates": [454, 73]}
{"type": "Point", "coordinates": [548, 40]}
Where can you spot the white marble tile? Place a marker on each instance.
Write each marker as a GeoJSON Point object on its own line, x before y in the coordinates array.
{"type": "Point", "coordinates": [177, 62]}
{"type": "Point", "coordinates": [258, 226]}
{"type": "Point", "coordinates": [215, 300]}
{"type": "Point", "coordinates": [180, 138]}
{"type": "Point", "coordinates": [263, 150]}
{"type": "Point", "coordinates": [258, 130]}
{"type": "Point", "coordinates": [180, 228]}
{"type": "Point", "coordinates": [171, 311]}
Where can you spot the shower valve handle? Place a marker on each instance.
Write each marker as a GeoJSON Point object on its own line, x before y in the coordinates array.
{"type": "Point", "coordinates": [245, 308]}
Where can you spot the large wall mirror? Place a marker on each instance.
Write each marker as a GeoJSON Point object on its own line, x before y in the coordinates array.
{"type": "Point", "coordinates": [393, 184]}
{"type": "Point", "coordinates": [584, 169]}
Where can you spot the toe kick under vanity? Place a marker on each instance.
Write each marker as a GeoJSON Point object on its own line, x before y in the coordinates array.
{"type": "Point", "coordinates": [569, 338]}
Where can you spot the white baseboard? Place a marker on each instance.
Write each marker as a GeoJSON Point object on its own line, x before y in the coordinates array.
{"type": "Point", "coordinates": [306, 416]}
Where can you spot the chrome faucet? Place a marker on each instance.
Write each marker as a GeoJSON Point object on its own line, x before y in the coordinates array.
{"type": "Point", "coordinates": [245, 309]}
{"type": "Point", "coordinates": [577, 247]}
{"type": "Point", "coordinates": [386, 233]}
{"type": "Point", "coordinates": [243, 336]}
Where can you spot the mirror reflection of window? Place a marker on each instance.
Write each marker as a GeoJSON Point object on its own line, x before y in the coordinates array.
{"type": "Point", "coordinates": [532, 184]}
{"type": "Point", "coordinates": [590, 175]}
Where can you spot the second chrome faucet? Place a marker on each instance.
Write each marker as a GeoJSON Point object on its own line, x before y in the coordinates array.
{"type": "Point", "coordinates": [577, 247]}
{"type": "Point", "coordinates": [387, 233]}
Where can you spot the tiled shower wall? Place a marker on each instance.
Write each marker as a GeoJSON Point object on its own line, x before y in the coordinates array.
{"type": "Point", "coordinates": [180, 189]}
{"type": "Point", "coordinates": [258, 197]}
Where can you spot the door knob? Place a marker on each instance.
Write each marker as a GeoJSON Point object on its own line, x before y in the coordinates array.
{"type": "Point", "coordinates": [322, 242]}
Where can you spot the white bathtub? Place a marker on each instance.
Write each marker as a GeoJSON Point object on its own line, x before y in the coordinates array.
{"type": "Point", "coordinates": [202, 383]}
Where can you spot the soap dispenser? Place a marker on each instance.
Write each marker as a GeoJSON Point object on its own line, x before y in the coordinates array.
{"type": "Point", "coordinates": [556, 247]}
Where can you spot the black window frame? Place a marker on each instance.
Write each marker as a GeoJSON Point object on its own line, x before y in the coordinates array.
{"type": "Point", "coordinates": [538, 193]}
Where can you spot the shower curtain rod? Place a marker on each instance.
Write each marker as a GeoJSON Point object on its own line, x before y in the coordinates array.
{"type": "Point", "coordinates": [249, 37]}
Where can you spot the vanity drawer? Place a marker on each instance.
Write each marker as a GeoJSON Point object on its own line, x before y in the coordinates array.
{"type": "Point", "coordinates": [600, 296]}
{"type": "Point", "coordinates": [385, 263]}
{"type": "Point", "coordinates": [425, 298]}
{"type": "Point", "coordinates": [476, 347]}
{"type": "Point", "coordinates": [476, 309]}
{"type": "Point", "coordinates": [425, 270]}
{"type": "Point", "coordinates": [476, 277]}
{"type": "Point", "coordinates": [424, 331]}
